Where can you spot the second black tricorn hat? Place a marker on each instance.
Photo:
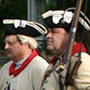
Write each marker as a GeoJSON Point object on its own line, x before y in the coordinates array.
{"type": "Point", "coordinates": [63, 18]}
{"type": "Point", "coordinates": [24, 27]}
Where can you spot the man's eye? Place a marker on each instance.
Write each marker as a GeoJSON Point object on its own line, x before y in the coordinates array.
{"type": "Point", "coordinates": [10, 43]}
{"type": "Point", "coordinates": [54, 32]}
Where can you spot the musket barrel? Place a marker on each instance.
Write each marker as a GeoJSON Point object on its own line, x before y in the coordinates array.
{"type": "Point", "coordinates": [73, 30]}
{"type": "Point", "coordinates": [68, 52]}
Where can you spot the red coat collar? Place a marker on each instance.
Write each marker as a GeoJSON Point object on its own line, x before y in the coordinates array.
{"type": "Point", "coordinates": [76, 49]}
{"type": "Point", "coordinates": [25, 63]}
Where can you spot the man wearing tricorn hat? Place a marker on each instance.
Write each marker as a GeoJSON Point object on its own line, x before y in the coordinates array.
{"type": "Point", "coordinates": [26, 69]}
{"type": "Point", "coordinates": [59, 23]}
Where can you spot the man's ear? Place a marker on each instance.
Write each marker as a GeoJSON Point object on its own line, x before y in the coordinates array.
{"type": "Point", "coordinates": [26, 44]}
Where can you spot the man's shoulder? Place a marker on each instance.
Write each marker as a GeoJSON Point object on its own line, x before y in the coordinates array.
{"type": "Point", "coordinates": [39, 62]}
{"type": "Point", "coordinates": [7, 65]}
{"type": "Point", "coordinates": [85, 55]}
{"type": "Point", "coordinates": [39, 59]}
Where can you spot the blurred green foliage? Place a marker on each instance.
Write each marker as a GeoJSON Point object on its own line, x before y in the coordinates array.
{"type": "Point", "coordinates": [11, 9]}
{"type": "Point", "coordinates": [0, 66]}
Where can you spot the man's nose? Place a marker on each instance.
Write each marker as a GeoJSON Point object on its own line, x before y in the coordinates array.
{"type": "Point", "coordinates": [48, 35]}
{"type": "Point", "coordinates": [6, 46]}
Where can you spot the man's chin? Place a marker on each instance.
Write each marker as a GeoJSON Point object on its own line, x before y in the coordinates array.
{"type": "Point", "coordinates": [49, 48]}
{"type": "Point", "coordinates": [9, 56]}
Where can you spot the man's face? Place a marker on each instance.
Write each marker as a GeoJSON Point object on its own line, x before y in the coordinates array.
{"type": "Point", "coordinates": [14, 49]}
{"type": "Point", "coordinates": [57, 40]}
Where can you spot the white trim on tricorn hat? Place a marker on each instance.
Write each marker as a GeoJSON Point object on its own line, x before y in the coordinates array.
{"type": "Point", "coordinates": [85, 22]}
{"type": "Point", "coordinates": [17, 26]}
{"type": "Point", "coordinates": [38, 27]}
{"type": "Point", "coordinates": [58, 15]}
{"type": "Point", "coordinates": [63, 18]}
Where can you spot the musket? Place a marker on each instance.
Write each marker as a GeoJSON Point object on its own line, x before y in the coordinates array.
{"type": "Point", "coordinates": [69, 47]}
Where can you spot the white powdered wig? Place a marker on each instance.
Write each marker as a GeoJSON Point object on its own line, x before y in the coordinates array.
{"type": "Point", "coordinates": [24, 39]}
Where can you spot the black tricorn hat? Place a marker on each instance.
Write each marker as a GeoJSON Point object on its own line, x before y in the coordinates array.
{"type": "Point", "coordinates": [63, 18]}
{"type": "Point", "coordinates": [24, 27]}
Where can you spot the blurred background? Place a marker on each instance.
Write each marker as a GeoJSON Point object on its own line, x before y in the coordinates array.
{"type": "Point", "coordinates": [32, 10]}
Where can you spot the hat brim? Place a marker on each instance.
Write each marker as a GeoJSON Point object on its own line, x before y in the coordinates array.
{"type": "Point", "coordinates": [29, 31]}
{"type": "Point", "coordinates": [60, 18]}
{"type": "Point", "coordinates": [50, 23]}
{"type": "Point", "coordinates": [28, 28]}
